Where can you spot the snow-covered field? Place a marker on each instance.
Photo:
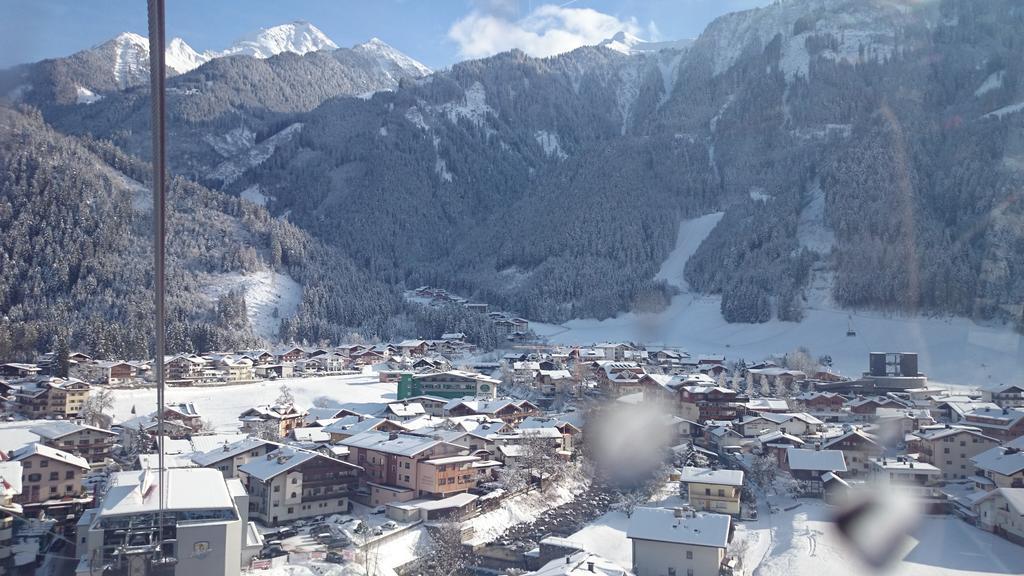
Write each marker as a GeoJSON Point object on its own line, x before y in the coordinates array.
{"type": "Point", "coordinates": [950, 349]}
{"type": "Point", "coordinates": [222, 404]}
{"type": "Point", "coordinates": [265, 292]}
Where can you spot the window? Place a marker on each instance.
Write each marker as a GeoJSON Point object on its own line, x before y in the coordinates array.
{"type": "Point", "coordinates": [295, 480]}
{"type": "Point", "coordinates": [689, 554]}
{"type": "Point", "coordinates": [277, 488]}
{"type": "Point", "coordinates": [44, 463]}
{"type": "Point", "coordinates": [689, 572]}
{"type": "Point", "coordinates": [53, 489]}
{"type": "Point", "coordinates": [35, 477]}
{"type": "Point", "coordinates": [291, 510]}
{"type": "Point", "coordinates": [293, 495]}
{"type": "Point", "coordinates": [671, 571]}
{"type": "Point", "coordinates": [54, 476]}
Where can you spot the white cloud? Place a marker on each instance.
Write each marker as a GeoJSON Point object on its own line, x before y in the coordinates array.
{"type": "Point", "coordinates": [545, 31]}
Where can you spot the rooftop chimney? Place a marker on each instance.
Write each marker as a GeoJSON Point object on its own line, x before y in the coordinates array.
{"type": "Point", "coordinates": [590, 566]}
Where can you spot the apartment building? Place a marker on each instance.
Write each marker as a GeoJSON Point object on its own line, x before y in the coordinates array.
{"type": "Point", "coordinates": [679, 542]}
{"type": "Point", "coordinates": [290, 483]}
{"type": "Point", "coordinates": [51, 397]}
{"type": "Point", "coordinates": [279, 419]}
{"type": "Point", "coordinates": [951, 448]}
{"type": "Point", "coordinates": [92, 443]}
{"type": "Point", "coordinates": [50, 478]}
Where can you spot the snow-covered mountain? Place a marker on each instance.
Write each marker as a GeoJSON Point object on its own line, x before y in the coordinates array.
{"type": "Point", "coordinates": [391, 60]}
{"type": "Point", "coordinates": [298, 37]}
{"type": "Point", "coordinates": [629, 44]}
{"type": "Point", "coordinates": [181, 58]}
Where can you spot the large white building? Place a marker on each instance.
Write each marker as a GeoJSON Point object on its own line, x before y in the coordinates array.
{"type": "Point", "coordinates": [205, 525]}
{"type": "Point", "coordinates": [677, 542]}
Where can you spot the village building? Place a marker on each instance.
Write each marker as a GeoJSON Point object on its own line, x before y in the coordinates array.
{"type": "Point", "coordinates": [230, 457]}
{"type": "Point", "coordinates": [510, 411]}
{"type": "Point", "coordinates": [1004, 424]}
{"type": "Point", "coordinates": [1002, 466]}
{"type": "Point", "coordinates": [279, 419]}
{"type": "Point", "coordinates": [185, 369]}
{"type": "Point", "coordinates": [906, 475]}
{"type": "Point", "coordinates": [403, 466]}
{"type": "Point", "coordinates": [91, 443]}
{"type": "Point", "coordinates": [951, 449]}
{"type": "Point", "coordinates": [349, 426]}
{"type": "Point", "coordinates": [713, 490]}
{"type": "Point", "coordinates": [797, 424]}
{"type": "Point", "coordinates": [814, 468]}
{"type": "Point", "coordinates": [51, 479]}
{"type": "Point", "coordinates": [186, 413]}
{"type": "Point", "coordinates": [10, 488]}
{"type": "Point", "coordinates": [680, 542]}
{"type": "Point", "coordinates": [1001, 511]}
{"type": "Point", "coordinates": [822, 405]}
{"type": "Point", "coordinates": [290, 483]}
{"type": "Point", "coordinates": [205, 517]}
{"type": "Point", "coordinates": [1005, 396]}
{"type": "Point", "coordinates": [455, 384]}
{"type": "Point", "coordinates": [51, 397]}
{"type": "Point", "coordinates": [858, 448]}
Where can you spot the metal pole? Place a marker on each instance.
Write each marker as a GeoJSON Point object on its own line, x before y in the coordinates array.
{"type": "Point", "coordinates": [156, 93]}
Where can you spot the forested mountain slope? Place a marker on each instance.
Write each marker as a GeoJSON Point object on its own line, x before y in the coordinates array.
{"type": "Point", "coordinates": [872, 146]}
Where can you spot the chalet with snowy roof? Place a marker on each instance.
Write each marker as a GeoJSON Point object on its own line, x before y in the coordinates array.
{"type": "Point", "coordinates": [776, 443]}
{"type": "Point", "coordinates": [797, 424]}
{"type": "Point", "coordinates": [867, 407]}
{"type": "Point", "coordinates": [185, 369]}
{"type": "Point", "coordinates": [1004, 396]}
{"type": "Point", "coordinates": [289, 354]}
{"type": "Point", "coordinates": [557, 421]}
{"type": "Point", "coordinates": [905, 474]}
{"type": "Point", "coordinates": [114, 372]}
{"type": "Point", "coordinates": [348, 426]}
{"type": "Point", "coordinates": [617, 379]}
{"type": "Point", "coordinates": [289, 483]}
{"type": "Point", "coordinates": [429, 363]}
{"type": "Point", "coordinates": [713, 490]}
{"type": "Point", "coordinates": [770, 405]}
{"type": "Point", "coordinates": [508, 410]}
{"type": "Point", "coordinates": [954, 409]}
{"type": "Point", "coordinates": [368, 357]}
{"type": "Point", "coordinates": [1002, 511]}
{"type": "Point", "coordinates": [280, 418]}
{"type": "Point", "coordinates": [51, 479]}
{"type": "Point", "coordinates": [1004, 424]}
{"type": "Point", "coordinates": [19, 370]}
{"type": "Point", "coordinates": [702, 403]}
{"type": "Point", "coordinates": [679, 541]}
{"type": "Point", "coordinates": [401, 467]}
{"type": "Point", "coordinates": [230, 456]}
{"type": "Point", "coordinates": [413, 347]}
{"type": "Point", "coordinates": [951, 448]}
{"type": "Point", "coordinates": [186, 413]}
{"type": "Point", "coordinates": [810, 467]}
{"type": "Point", "coordinates": [723, 438]}
{"type": "Point", "coordinates": [148, 424]}
{"type": "Point", "coordinates": [819, 402]}
{"type": "Point", "coordinates": [432, 405]}
{"type": "Point", "coordinates": [776, 375]}
{"type": "Point", "coordinates": [89, 442]}
{"type": "Point", "coordinates": [1002, 466]}
{"type": "Point", "coordinates": [51, 397]}
{"type": "Point", "coordinates": [551, 382]}
{"type": "Point", "coordinates": [858, 448]}
{"type": "Point", "coordinates": [402, 411]}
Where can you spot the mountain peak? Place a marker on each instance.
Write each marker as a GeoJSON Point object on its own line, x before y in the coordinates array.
{"type": "Point", "coordinates": [389, 57]}
{"type": "Point", "coordinates": [298, 37]}
{"type": "Point", "coordinates": [629, 44]}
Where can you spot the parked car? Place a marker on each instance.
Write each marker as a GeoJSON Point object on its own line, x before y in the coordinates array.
{"type": "Point", "coordinates": [287, 533]}
{"type": "Point", "coordinates": [389, 525]}
{"type": "Point", "coordinates": [338, 542]}
{"type": "Point", "coordinates": [334, 558]}
{"type": "Point", "coordinates": [272, 551]}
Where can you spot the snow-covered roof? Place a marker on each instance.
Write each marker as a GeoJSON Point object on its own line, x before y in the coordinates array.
{"type": "Point", "coordinates": [185, 489]}
{"type": "Point", "coordinates": [580, 564]}
{"type": "Point", "coordinates": [664, 525]}
{"type": "Point", "coordinates": [782, 418]}
{"type": "Point", "coordinates": [406, 409]}
{"type": "Point", "coordinates": [940, 432]}
{"type": "Point", "coordinates": [816, 460]}
{"type": "Point", "coordinates": [900, 463]}
{"type": "Point", "coordinates": [855, 432]}
{"type": "Point", "coordinates": [709, 476]}
{"type": "Point", "coordinates": [780, 437]}
{"type": "Point", "coordinates": [1013, 496]}
{"type": "Point", "coordinates": [400, 444]}
{"type": "Point", "coordinates": [52, 453]}
{"type": "Point", "coordinates": [61, 428]}
{"type": "Point", "coordinates": [1005, 460]}
{"type": "Point", "coordinates": [231, 450]}
{"type": "Point", "coordinates": [282, 460]}
{"type": "Point", "coordinates": [353, 425]}
{"type": "Point", "coordinates": [451, 460]}
{"type": "Point", "coordinates": [767, 404]}
{"type": "Point", "coordinates": [453, 501]}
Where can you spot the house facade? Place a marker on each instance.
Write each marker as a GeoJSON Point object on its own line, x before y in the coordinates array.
{"type": "Point", "coordinates": [713, 490]}
{"type": "Point", "coordinates": [680, 542]}
{"type": "Point", "coordinates": [89, 442]}
{"type": "Point", "coordinates": [951, 449]}
{"type": "Point", "coordinates": [288, 484]}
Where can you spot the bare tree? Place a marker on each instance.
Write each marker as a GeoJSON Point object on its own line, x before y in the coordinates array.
{"type": "Point", "coordinates": [265, 430]}
{"type": "Point", "coordinates": [443, 553]}
{"type": "Point", "coordinates": [539, 456]}
{"type": "Point", "coordinates": [286, 398]}
{"type": "Point", "coordinates": [629, 501]}
{"type": "Point", "coordinates": [95, 407]}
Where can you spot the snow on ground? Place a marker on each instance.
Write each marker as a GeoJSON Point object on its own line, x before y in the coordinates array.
{"type": "Point", "coordinates": [253, 155]}
{"type": "Point", "coordinates": [951, 349]}
{"type": "Point", "coordinates": [1005, 110]}
{"type": "Point", "coordinates": [265, 292]}
{"type": "Point", "coordinates": [812, 231]}
{"type": "Point", "coordinates": [691, 234]}
{"type": "Point", "coordinates": [86, 96]}
{"type": "Point", "coordinates": [255, 195]}
{"type": "Point", "coordinates": [993, 82]}
{"type": "Point", "coordinates": [550, 144]}
{"type": "Point", "coordinates": [523, 508]}
{"type": "Point", "coordinates": [804, 540]}
{"type": "Point", "coordinates": [222, 404]}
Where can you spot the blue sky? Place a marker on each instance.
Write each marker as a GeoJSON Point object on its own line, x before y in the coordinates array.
{"type": "Point", "coordinates": [436, 32]}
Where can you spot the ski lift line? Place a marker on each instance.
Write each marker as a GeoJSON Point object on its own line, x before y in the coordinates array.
{"type": "Point", "coordinates": [155, 12]}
